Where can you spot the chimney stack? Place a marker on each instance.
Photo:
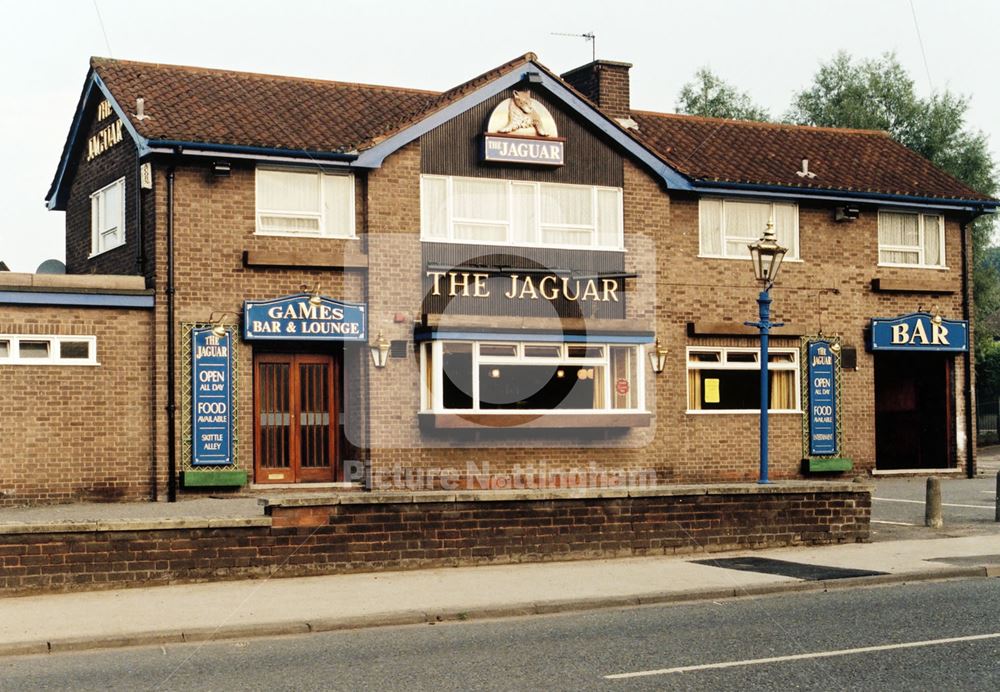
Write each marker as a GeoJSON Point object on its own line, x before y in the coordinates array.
{"type": "Point", "coordinates": [605, 82]}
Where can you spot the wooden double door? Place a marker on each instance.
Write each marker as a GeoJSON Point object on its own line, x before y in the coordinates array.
{"type": "Point", "coordinates": [296, 432]}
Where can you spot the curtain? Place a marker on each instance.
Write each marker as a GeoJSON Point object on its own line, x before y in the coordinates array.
{"type": "Point", "coordinates": [782, 388]}
{"type": "Point", "coordinates": [523, 214]}
{"type": "Point", "coordinates": [745, 223]}
{"type": "Point", "coordinates": [932, 241]}
{"type": "Point", "coordinates": [710, 226]}
{"type": "Point", "coordinates": [482, 200]}
{"type": "Point", "coordinates": [433, 207]}
{"type": "Point", "coordinates": [902, 231]}
{"type": "Point", "coordinates": [694, 390]}
{"type": "Point", "coordinates": [786, 228]}
{"type": "Point", "coordinates": [338, 193]}
{"type": "Point", "coordinates": [566, 205]}
{"type": "Point", "coordinates": [598, 377]}
{"type": "Point", "coordinates": [287, 191]}
{"type": "Point", "coordinates": [608, 214]}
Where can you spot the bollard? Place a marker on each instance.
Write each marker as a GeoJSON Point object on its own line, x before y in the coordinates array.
{"type": "Point", "coordinates": [932, 505]}
{"type": "Point", "coordinates": [998, 497]}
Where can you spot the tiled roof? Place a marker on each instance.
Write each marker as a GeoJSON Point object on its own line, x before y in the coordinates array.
{"type": "Point", "coordinates": [254, 110]}
{"type": "Point", "coordinates": [734, 151]}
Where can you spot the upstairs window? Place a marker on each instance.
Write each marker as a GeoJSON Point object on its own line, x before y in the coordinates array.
{"type": "Point", "coordinates": [508, 212]}
{"type": "Point", "coordinates": [107, 218]}
{"type": "Point", "coordinates": [910, 240]}
{"type": "Point", "coordinates": [727, 227]}
{"type": "Point", "coordinates": [305, 203]}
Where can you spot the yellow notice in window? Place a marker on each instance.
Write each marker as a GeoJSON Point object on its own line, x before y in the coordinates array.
{"type": "Point", "coordinates": [711, 391]}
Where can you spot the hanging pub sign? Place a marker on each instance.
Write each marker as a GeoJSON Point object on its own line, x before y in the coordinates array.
{"type": "Point", "coordinates": [919, 331]}
{"type": "Point", "coordinates": [822, 368]}
{"type": "Point", "coordinates": [521, 130]}
{"type": "Point", "coordinates": [304, 317]}
{"type": "Point", "coordinates": [212, 398]}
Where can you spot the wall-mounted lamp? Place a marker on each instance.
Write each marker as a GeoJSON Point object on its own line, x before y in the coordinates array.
{"type": "Point", "coordinates": [221, 169]}
{"type": "Point", "coordinates": [219, 323]}
{"type": "Point", "coordinates": [380, 351]}
{"type": "Point", "coordinates": [658, 357]}
{"type": "Point", "coordinates": [315, 298]}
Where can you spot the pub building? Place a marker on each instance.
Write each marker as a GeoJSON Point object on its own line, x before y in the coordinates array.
{"type": "Point", "coordinates": [274, 282]}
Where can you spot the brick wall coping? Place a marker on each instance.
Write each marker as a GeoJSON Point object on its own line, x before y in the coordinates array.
{"type": "Point", "coordinates": [133, 525]}
{"type": "Point", "coordinates": [15, 280]}
{"type": "Point", "coordinates": [540, 495]}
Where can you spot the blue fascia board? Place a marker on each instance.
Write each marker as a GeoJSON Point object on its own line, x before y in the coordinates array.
{"type": "Point", "coordinates": [172, 146]}
{"type": "Point", "coordinates": [85, 300]}
{"type": "Point", "coordinates": [530, 336]}
{"type": "Point", "coordinates": [93, 81]}
{"type": "Point", "coordinates": [373, 158]}
{"type": "Point", "coordinates": [833, 195]}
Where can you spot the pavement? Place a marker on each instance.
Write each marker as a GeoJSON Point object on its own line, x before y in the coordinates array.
{"type": "Point", "coordinates": [57, 622]}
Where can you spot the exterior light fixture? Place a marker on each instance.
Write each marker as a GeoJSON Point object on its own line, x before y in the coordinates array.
{"type": "Point", "coordinates": [658, 357]}
{"type": "Point", "coordinates": [380, 351]}
{"type": "Point", "coordinates": [766, 255]}
{"type": "Point", "coordinates": [219, 324]}
{"type": "Point", "coordinates": [316, 298]}
{"type": "Point", "coordinates": [495, 373]}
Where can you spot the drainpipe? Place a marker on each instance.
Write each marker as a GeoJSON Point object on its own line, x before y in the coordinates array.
{"type": "Point", "coordinates": [970, 460]}
{"type": "Point", "coordinates": [171, 399]}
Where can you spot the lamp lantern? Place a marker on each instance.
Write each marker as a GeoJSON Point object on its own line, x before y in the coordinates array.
{"type": "Point", "coordinates": [380, 351]}
{"type": "Point", "coordinates": [767, 255]}
{"type": "Point", "coordinates": [658, 357]}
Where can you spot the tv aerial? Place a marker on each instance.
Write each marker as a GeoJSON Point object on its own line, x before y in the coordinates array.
{"type": "Point", "coordinates": [590, 36]}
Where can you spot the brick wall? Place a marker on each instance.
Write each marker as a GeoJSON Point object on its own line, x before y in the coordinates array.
{"type": "Point", "coordinates": [405, 535]}
{"type": "Point", "coordinates": [77, 432]}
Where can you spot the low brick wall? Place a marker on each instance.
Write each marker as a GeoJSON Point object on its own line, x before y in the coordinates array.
{"type": "Point", "coordinates": [366, 532]}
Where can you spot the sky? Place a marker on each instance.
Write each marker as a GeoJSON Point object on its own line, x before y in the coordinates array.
{"type": "Point", "coordinates": [769, 48]}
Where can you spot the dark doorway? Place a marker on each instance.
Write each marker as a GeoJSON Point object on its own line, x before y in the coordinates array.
{"type": "Point", "coordinates": [913, 411]}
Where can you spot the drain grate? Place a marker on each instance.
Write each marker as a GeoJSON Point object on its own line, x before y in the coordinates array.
{"type": "Point", "coordinates": [798, 570]}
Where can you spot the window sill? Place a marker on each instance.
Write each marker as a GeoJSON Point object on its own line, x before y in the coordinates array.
{"type": "Point", "coordinates": [932, 267]}
{"type": "Point", "coordinates": [105, 251]}
{"type": "Point", "coordinates": [534, 246]}
{"type": "Point", "coordinates": [474, 421]}
{"type": "Point", "coordinates": [743, 412]}
{"type": "Point", "coordinates": [792, 260]}
{"type": "Point", "coordinates": [274, 234]}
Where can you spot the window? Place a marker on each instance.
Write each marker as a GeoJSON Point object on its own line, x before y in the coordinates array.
{"type": "Point", "coordinates": [482, 210]}
{"type": "Point", "coordinates": [727, 227]}
{"type": "Point", "coordinates": [305, 203]}
{"type": "Point", "coordinates": [107, 218]}
{"type": "Point", "coordinates": [915, 240]}
{"type": "Point", "coordinates": [728, 379]}
{"type": "Point", "coordinates": [47, 350]}
{"type": "Point", "coordinates": [531, 377]}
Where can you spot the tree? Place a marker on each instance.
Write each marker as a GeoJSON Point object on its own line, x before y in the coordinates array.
{"type": "Point", "coordinates": [879, 94]}
{"type": "Point", "coordinates": [708, 94]}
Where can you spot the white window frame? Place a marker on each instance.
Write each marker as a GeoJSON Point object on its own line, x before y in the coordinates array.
{"type": "Point", "coordinates": [920, 248]}
{"type": "Point", "coordinates": [54, 341]}
{"type": "Point", "coordinates": [449, 236]}
{"type": "Point", "coordinates": [324, 224]}
{"type": "Point", "coordinates": [436, 390]}
{"type": "Point", "coordinates": [97, 219]}
{"type": "Point", "coordinates": [793, 254]}
{"type": "Point", "coordinates": [724, 364]}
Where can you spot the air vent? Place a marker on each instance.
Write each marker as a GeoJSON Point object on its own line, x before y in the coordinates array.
{"type": "Point", "coordinates": [398, 349]}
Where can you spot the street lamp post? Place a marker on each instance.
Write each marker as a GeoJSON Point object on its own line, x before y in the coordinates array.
{"type": "Point", "coordinates": [766, 255]}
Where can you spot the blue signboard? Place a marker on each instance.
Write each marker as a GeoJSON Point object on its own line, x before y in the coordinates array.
{"type": "Point", "coordinates": [212, 398]}
{"type": "Point", "coordinates": [919, 331]}
{"type": "Point", "coordinates": [510, 149]}
{"type": "Point", "coordinates": [304, 317]}
{"type": "Point", "coordinates": [822, 367]}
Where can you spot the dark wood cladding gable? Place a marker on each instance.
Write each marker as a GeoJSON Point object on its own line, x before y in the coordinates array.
{"type": "Point", "coordinates": [454, 149]}
{"type": "Point", "coordinates": [538, 262]}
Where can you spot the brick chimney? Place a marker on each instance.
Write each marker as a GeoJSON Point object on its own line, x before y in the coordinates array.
{"type": "Point", "coordinates": [605, 82]}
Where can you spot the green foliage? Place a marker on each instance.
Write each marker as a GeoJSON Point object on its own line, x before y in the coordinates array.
{"type": "Point", "coordinates": [708, 94]}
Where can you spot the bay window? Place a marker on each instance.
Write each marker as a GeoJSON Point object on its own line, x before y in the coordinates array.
{"type": "Point", "coordinates": [727, 227]}
{"type": "Point", "coordinates": [511, 212]}
{"type": "Point", "coordinates": [728, 379]}
{"type": "Point", "coordinates": [913, 240]}
{"type": "Point", "coordinates": [530, 377]}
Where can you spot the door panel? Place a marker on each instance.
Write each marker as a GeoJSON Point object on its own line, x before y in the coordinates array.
{"type": "Point", "coordinates": [296, 431]}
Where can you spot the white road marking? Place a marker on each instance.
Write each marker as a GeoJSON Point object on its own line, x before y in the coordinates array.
{"type": "Point", "coordinates": [801, 657]}
{"type": "Point", "coordinates": [920, 502]}
{"type": "Point", "coordinates": [894, 523]}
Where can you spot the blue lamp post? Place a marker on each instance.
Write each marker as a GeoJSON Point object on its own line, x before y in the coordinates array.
{"type": "Point", "coordinates": [766, 255]}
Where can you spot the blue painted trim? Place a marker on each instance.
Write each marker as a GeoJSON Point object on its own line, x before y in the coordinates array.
{"type": "Point", "coordinates": [259, 151]}
{"type": "Point", "coordinates": [87, 300]}
{"type": "Point", "coordinates": [373, 158]}
{"type": "Point", "coordinates": [93, 81]}
{"type": "Point", "coordinates": [845, 196]}
{"type": "Point", "coordinates": [557, 337]}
